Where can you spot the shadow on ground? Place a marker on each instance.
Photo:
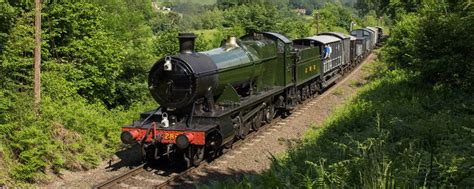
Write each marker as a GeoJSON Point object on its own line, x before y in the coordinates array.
{"type": "Point", "coordinates": [208, 176]}
{"type": "Point", "coordinates": [129, 158]}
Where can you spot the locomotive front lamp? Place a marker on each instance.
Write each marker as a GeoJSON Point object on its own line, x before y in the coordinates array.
{"type": "Point", "coordinates": [167, 66]}
{"type": "Point", "coordinates": [164, 120]}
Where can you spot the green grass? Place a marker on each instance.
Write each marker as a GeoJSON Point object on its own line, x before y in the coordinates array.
{"type": "Point", "coordinates": [338, 92]}
{"type": "Point", "coordinates": [356, 84]}
{"type": "Point", "coordinates": [397, 132]}
{"type": "Point", "coordinates": [4, 157]}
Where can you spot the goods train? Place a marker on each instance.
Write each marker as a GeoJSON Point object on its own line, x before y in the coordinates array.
{"type": "Point", "coordinates": [210, 99]}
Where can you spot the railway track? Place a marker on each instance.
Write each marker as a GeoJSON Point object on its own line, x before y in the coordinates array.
{"type": "Point", "coordinates": [147, 176]}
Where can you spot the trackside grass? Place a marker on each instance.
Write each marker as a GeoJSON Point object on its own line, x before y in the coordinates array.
{"type": "Point", "coordinates": [397, 132]}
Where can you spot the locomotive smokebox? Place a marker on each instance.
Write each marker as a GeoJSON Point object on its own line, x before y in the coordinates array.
{"type": "Point", "coordinates": [186, 42]}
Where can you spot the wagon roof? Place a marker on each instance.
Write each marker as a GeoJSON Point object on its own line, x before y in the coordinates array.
{"type": "Point", "coordinates": [372, 28]}
{"type": "Point", "coordinates": [364, 29]}
{"type": "Point", "coordinates": [324, 39]}
{"type": "Point", "coordinates": [335, 34]}
{"type": "Point", "coordinates": [379, 28]}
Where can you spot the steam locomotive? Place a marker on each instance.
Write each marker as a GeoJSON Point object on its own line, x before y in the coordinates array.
{"type": "Point", "coordinates": [210, 99]}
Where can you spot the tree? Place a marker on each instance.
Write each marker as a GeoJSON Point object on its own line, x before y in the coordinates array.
{"type": "Point", "coordinates": [17, 56]}
{"type": "Point", "coordinates": [255, 18]}
{"type": "Point", "coordinates": [434, 44]}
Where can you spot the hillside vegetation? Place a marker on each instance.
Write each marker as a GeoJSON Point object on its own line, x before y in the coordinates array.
{"type": "Point", "coordinates": [171, 2]}
{"type": "Point", "coordinates": [412, 126]}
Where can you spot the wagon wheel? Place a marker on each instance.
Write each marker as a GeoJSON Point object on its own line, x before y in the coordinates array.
{"type": "Point", "coordinates": [257, 121]}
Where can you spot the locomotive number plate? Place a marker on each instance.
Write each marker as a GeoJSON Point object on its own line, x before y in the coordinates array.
{"type": "Point", "coordinates": [170, 136]}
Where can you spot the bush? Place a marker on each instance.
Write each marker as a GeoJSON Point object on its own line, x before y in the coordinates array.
{"type": "Point", "coordinates": [434, 45]}
{"type": "Point", "coordinates": [400, 50]}
{"type": "Point", "coordinates": [253, 18]}
{"type": "Point", "coordinates": [444, 49]}
{"type": "Point", "coordinates": [70, 134]}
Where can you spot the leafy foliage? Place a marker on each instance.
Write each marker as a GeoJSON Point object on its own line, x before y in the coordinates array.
{"type": "Point", "coordinates": [77, 37]}
{"type": "Point", "coordinates": [93, 75]}
{"type": "Point", "coordinates": [253, 18]}
{"type": "Point", "coordinates": [16, 59]}
{"type": "Point", "coordinates": [333, 17]}
{"type": "Point", "coordinates": [434, 45]}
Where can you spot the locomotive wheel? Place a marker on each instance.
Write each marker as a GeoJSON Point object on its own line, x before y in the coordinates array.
{"type": "Point", "coordinates": [240, 127]}
{"type": "Point", "coordinates": [300, 98]}
{"type": "Point", "coordinates": [303, 94]}
{"type": "Point", "coordinates": [215, 153]}
{"type": "Point", "coordinates": [306, 92]}
{"type": "Point", "coordinates": [316, 88]}
{"type": "Point", "coordinates": [148, 153]}
{"type": "Point", "coordinates": [269, 113]}
{"type": "Point", "coordinates": [197, 154]}
{"type": "Point", "coordinates": [257, 121]}
{"type": "Point", "coordinates": [229, 144]}
{"type": "Point", "coordinates": [245, 129]}
{"type": "Point", "coordinates": [237, 122]}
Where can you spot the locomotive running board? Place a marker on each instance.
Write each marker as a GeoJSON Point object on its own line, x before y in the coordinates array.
{"type": "Point", "coordinates": [255, 99]}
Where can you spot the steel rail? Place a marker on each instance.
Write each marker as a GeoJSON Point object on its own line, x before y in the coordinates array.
{"type": "Point", "coordinates": [124, 176]}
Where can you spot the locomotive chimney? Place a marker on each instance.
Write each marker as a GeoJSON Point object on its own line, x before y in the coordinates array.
{"type": "Point", "coordinates": [186, 42]}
